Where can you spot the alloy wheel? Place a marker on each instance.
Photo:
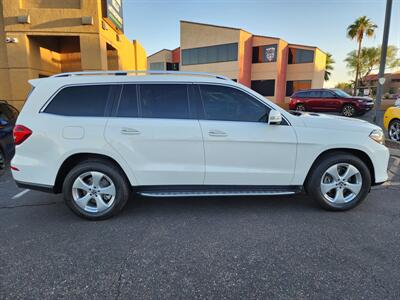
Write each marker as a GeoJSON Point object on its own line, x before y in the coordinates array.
{"type": "Point", "coordinates": [300, 107]}
{"type": "Point", "coordinates": [341, 183]}
{"type": "Point", "coordinates": [394, 131]}
{"type": "Point", "coordinates": [348, 111]}
{"type": "Point", "coordinates": [93, 192]}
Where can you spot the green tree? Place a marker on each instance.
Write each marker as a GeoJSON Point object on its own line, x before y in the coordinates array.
{"type": "Point", "coordinates": [362, 27]}
{"type": "Point", "coordinates": [328, 66]}
{"type": "Point", "coordinates": [369, 60]}
{"type": "Point", "coordinates": [345, 86]}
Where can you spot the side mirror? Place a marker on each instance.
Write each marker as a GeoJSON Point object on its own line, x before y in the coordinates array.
{"type": "Point", "coordinates": [274, 118]}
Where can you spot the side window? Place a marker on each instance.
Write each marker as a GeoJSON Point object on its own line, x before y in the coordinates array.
{"type": "Point", "coordinates": [169, 101]}
{"type": "Point", "coordinates": [4, 113]}
{"type": "Point", "coordinates": [327, 94]}
{"type": "Point", "coordinates": [87, 101]}
{"type": "Point", "coordinates": [128, 104]}
{"type": "Point", "coordinates": [315, 94]}
{"type": "Point", "coordinates": [229, 104]}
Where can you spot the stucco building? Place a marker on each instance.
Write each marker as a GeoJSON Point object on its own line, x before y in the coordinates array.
{"type": "Point", "coordinates": [270, 65]}
{"type": "Point", "coordinates": [39, 38]}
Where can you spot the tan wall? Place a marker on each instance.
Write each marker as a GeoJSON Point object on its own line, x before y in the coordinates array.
{"type": "Point", "coordinates": [28, 58]}
{"type": "Point", "coordinates": [196, 35]}
{"type": "Point", "coordinates": [161, 56]}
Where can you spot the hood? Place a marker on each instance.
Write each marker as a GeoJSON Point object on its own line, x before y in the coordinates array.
{"type": "Point", "coordinates": [317, 120]}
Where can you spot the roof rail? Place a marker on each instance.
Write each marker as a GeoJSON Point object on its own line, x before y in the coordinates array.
{"type": "Point", "coordinates": [138, 72]}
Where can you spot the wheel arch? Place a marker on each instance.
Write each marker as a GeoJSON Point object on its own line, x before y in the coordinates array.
{"type": "Point", "coordinates": [356, 152]}
{"type": "Point", "coordinates": [77, 158]}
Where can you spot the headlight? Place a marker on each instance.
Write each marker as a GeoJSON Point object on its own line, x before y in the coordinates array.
{"type": "Point", "coordinates": [378, 136]}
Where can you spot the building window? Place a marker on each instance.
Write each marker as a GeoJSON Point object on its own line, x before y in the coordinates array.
{"type": "Point", "coordinates": [296, 85]}
{"type": "Point", "coordinates": [300, 56]}
{"type": "Point", "coordinates": [264, 87]}
{"type": "Point", "coordinates": [263, 54]}
{"type": "Point", "coordinates": [157, 66]}
{"type": "Point", "coordinates": [212, 54]}
{"type": "Point", "coordinates": [396, 80]}
{"type": "Point", "coordinates": [172, 66]}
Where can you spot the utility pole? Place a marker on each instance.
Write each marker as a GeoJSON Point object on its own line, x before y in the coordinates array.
{"type": "Point", "coordinates": [378, 118]}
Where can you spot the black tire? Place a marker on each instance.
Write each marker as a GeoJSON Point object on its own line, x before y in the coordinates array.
{"type": "Point", "coordinates": [3, 161]}
{"type": "Point", "coordinates": [313, 183]}
{"type": "Point", "coordinates": [122, 188]}
{"type": "Point", "coordinates": [300, 107]}
{"type": "Point", "coordinates": [348, 110]}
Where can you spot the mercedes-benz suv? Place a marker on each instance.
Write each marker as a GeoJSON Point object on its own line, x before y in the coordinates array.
{"type": "Point", "coordinates": [99, 138]}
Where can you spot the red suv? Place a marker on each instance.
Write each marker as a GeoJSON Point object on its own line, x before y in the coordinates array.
{"type": "Point", "coordinates": [330, 100]}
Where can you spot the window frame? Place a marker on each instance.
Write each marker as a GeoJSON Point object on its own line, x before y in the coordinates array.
{"type": "Point", "coordinates": [109, 102]}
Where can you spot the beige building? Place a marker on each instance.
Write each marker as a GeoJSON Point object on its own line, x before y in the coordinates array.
{"type": "Point", "coordinates": [39, 38]}
{"type": "Point", "coordinates": [269, 65]}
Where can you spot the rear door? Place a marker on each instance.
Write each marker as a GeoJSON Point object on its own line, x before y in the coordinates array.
{"type": "Point", "coordinates": [240, 147]}
{"type": "Point", "coordinates": [154, 127]}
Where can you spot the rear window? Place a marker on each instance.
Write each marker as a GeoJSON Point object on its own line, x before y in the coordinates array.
{"type": "Point", "coordinates": [88, 101]}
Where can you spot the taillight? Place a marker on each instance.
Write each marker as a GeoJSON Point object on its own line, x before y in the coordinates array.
{"type": "Point", "coordinates": [21, 133]}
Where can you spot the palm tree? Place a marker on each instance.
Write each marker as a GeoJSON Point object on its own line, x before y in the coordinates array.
{"type": "Point", "coordinates": [361, 27]}
{"type": "Point", "coordinates": [328, 66]}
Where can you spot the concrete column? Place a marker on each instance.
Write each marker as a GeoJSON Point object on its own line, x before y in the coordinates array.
{"type": "Point", "coordinates": [93, 52]}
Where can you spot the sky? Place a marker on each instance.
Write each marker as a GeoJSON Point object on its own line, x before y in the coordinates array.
{"type": "Point", "coordinates": [321, 23]}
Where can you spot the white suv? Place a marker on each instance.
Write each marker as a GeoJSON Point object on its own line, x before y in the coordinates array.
{"type": "Point", "coordinates": [98, 138]}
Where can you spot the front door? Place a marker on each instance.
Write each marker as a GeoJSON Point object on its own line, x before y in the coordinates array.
{"type": "Point", "coordinates": [240, 147]}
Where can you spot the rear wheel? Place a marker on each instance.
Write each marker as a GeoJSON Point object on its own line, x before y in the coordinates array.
{"type": "Point", "coordinates": [96, 190]}
{"type": "Point", "coordinates": [348, 110]}
{"type": "Point", "coordinates": [300, 107]}
{"type": "Point", "coordinates": [340, 182]}
{"type": "Point", "coordinates": [394, 130]}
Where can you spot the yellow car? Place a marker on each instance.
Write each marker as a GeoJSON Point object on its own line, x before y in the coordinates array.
{"type": "Point", "coordinates": [391, 122]}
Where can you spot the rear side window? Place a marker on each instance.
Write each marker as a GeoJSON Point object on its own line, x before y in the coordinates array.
{"type": "Point", "coordinates": [229, 104]}
{"type": "Point", "coordinates": [168, 101]}
{"type": "Point", "coordinates": [327, 94]}
{"type": "Point", "coordinates": [88, 101]}
{"type": "Point", "coordinates": [128, 105]}
{"type": "Point", "coordinates": [315, 94]}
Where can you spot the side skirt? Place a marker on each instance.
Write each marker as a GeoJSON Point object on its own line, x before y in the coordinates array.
{"type": "Point", "coordinates": [216, 190]}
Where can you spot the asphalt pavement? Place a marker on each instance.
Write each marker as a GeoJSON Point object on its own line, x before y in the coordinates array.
{"type": "Point", "coordinates": [200, 248]}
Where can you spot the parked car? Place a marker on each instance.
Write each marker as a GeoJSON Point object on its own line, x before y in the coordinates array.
{"type": "Point", "coordinates": [330, 100]}
{"type": "Point", "coordinates": [98, 138]}
{"type": "Point", "coordinates": [8, 117]}
{"type": "Point", "coordinates": [391, 122]}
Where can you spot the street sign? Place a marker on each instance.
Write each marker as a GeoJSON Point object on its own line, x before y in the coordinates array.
{"type": "Point", "coordinates": [382, 80]}
{"type": "Point", "coordinates": [115, 14]}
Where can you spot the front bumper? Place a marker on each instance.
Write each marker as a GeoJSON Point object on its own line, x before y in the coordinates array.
{"type": "Point", "coordinates": [380, 161]}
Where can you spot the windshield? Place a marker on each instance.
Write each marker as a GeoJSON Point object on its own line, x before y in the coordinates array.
{"type": "Point", "coordinates": [341, 93]}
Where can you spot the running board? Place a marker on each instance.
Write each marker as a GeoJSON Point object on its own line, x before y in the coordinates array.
{"type": "Point", "coordinates": [218, 192]}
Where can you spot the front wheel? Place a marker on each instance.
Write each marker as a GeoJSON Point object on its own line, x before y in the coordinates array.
{"type": "Point", "coordinates": [340, 182]}
{"type": "Point", "coordinates": [394, 130]}
{"type": "Point", "coordinates": [348, 110]}
{"type": "Point", "coordinates": [96, 190]}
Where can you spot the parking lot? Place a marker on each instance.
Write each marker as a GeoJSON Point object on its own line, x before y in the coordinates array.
{"type": "Point", "coordinates": [279, 247]}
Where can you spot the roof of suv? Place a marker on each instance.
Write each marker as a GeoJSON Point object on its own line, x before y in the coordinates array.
{"type": "Point", "coordinates": [121, 79]}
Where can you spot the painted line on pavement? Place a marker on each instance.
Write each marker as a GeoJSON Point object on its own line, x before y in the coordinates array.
{"type": "Point", "coordinates": [19, 195]}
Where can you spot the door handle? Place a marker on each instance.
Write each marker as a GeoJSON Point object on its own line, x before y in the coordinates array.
{"type": "Point", "coordinates": [130, 131]}
{"type": "Point", "coordinates": [216, 132]}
